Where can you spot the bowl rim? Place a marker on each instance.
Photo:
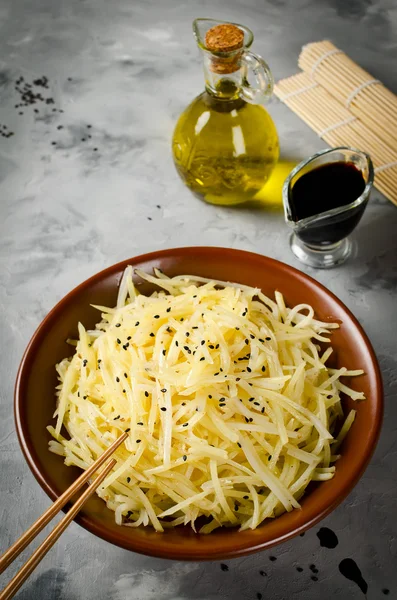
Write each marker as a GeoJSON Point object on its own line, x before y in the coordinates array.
{"type": "Point", "coordinates": [180, 553]}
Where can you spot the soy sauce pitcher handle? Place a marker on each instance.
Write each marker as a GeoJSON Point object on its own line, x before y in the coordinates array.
{"type": "Point", "coordinates": [262, 89]}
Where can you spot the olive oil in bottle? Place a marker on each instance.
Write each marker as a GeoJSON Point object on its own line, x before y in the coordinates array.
{"type": "Point", "coordinates": [225, 144]}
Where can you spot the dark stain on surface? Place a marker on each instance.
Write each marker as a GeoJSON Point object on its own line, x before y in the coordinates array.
{"type": "Point", "coordinates": [50, 584]}
{"type": "Point", "coordinates": [327, 537]}
{"type": "Point", "coordinates": [377, 250]}
{"type": "Point", "coordinates": [352, 8]}
{"type": "Point", "coordinates": [349, 569]}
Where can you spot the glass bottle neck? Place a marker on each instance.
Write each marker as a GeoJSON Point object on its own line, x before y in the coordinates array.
{"type": "Point", "coordinates": [221, 85]}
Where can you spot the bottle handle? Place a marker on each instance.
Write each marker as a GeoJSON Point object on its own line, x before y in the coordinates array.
{"type": "Point", "coordinates": [263, 88]}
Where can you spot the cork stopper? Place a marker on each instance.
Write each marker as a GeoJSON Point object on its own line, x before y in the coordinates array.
{"type": "Point", "coordinates": [225, 38]}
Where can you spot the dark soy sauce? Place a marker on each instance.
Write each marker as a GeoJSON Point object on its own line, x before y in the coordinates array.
{"type": "Point", "coordinates": [327, 187]}
{"type": "Point", "coordinates": [349, 569]}
{"type": "Point", "coordinates": [328, 539]}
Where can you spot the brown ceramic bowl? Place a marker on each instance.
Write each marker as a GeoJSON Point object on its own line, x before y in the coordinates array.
{"type": "Point", "coordinates": [35, 400]}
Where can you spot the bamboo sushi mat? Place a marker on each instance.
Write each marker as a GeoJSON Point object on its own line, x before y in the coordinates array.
{"type": "Point", "coordinates": [345, 106]}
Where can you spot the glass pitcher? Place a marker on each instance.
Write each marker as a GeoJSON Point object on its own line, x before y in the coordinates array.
{"type": "Point", "coordinates": [225, 145]}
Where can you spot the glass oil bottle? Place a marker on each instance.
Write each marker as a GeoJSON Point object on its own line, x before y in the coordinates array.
{"type": "Point", "coordinates": [225, 144]}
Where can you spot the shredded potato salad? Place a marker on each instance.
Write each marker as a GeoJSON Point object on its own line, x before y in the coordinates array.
{"type": "Point", "coordinates": [225, 394]}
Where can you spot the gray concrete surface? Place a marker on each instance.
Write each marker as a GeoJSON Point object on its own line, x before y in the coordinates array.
{"type": "Point", "coordinates": [128, 68]}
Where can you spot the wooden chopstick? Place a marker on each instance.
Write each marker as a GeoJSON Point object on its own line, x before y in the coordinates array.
{"type": "Point", "coordinates": [9, 556]}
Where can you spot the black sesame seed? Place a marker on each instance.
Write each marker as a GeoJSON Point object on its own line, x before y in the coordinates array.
{"type": "Point", "coordinates": [261, 340]}
{"type": "Point", "coordinates": [115, 418]}
{"type": "Point", "coordinates": [151, 334]}
{"type": "Point", "coordinates": [184, 457]}
{"type": "Point", "coordinates": [246, 341]}
{"type": "Point", "coordinates": [249, 369]}
{"type": "Point", "coordinates": [246, 419]}
{"type": "Point", "coordinates": [237, 378]}
{"type": "Point", "coordinates": [256, 403]}
{"type": "Point", "coordinates": [314, 578]}
{"type": "Point", "coordinates": [183, 403]}
{"type": "Point", "coordinates": [118, 379]}
{"type": "Point", "coordinates": [263, 369]}
{"type": "Point", "coordinates": [202, 342]}
{"type": "Point", "coordinates": [211, 347]}
{"type": "Point", "coordinates": [163, 408]}
{"type": "Point", "coordinates": [181, 319]}
{"type": "Point", "coordinates": [136, 324]}
{"type": "Point", "coordinates": [272, 558]}
{"type": "Point", "coordinates": [138, 441]}
{"type": "Point", "coordinates": [128, 479]}
{"type": "Point", "coordinates": [259, 596]}
{"type": "Point", "coordinates": [85, 361]}
{"type": "Point", "coordinates": [237, 328]}
{"type": "Point", "coordinates": [140, 423]}
{"type": "Point", "coordinates": [118, 341]}
{"type": "Point", "coordinates": [128, 429]}
{"type": "Point", "coordinates": [185, 424]}
{"type": "Point", "coordinates": [251, 420]}
{"type": "Point", "coordinates": [224, 567]}
{"type": "Point", "coordinates": [169, 309]}
{"type": "Point", "coordinates": [118, 325]}
{"type": "Point", "coordinates": [222, 404]}
{"type": "Point", "coordinates": [269, 457]}
{"type": "Point", "coordinates": [164, 390]}
{"type": "Point", "coordinates": [246, 497]}
{"type": "Point", "coordinates": [252, 336]}
{"type": "Point", "coordinates": [194, 327]}
{"type": "Point", "coordinates": [215, 374]}
{"type": "Point", "coordinates": [147, 394]}
{"type": "Point", "coordinates": [125, 375]}
{"type": "Point", "coordinates": [216, 347]}
{"type": "Point", "coordinates": [239, 445]}
{"type": "Point", "coordinates": [124, 391]}
{"type": "Point", "coordinates": [202, 358]}
{"type": "Point", "coordinates": [268, 339]}
{"type": "Point", "coordinates": [156, 316]}
{"type": "Point", "coordinates": [313, 569]}
{"type": "Point", "coordinates": [187, 334]}
{"type": "Point", "coordinates": [236, 507]}
{"type": "Point", "coordinates": [209, 396]}
{"type": "Point", "coordinates": [262, 573]}
{"type": "Point", "coordinates": [299, 569]}
{"type": "Point", "coordinates": [262, 409]}
{"type": "Point", "coordinates": [176, 343]}
{"type": "Point", "coordinates": [164, 352]}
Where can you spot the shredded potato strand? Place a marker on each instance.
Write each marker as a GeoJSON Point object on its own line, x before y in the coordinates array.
{"type": "Point", "coordinates": [226, 396]}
